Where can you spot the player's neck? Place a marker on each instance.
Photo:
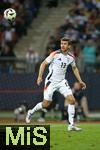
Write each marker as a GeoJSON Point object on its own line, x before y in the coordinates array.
{"type": "Point", "coordinates": [65, 52]}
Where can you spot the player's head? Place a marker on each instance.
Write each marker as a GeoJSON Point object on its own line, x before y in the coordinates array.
{"type": "Point", "coordinates": [65, 44]}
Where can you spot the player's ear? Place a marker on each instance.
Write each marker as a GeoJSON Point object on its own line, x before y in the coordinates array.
{"type": "Point", "coordinates": [69, 46]}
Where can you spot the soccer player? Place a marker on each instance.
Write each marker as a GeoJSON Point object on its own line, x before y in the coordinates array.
{"type": "Point", "coordinates": [55, 81]}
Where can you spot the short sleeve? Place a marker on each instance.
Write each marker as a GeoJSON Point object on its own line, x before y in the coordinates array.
{"type": "Point", "coordinates": [73, 64]}
{"type": "Point", "coordinates": [50, 58]}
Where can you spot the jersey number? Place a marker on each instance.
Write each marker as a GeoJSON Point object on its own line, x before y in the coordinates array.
{"type": "Point", "coordinates": [63, 65]}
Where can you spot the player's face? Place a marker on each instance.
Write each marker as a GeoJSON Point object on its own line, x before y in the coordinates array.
{"type": "Point", "coordinates": [64, 46]}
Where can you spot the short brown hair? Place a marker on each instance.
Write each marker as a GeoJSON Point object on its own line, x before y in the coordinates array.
{"type": "Point", "coordinates": [66, 39]}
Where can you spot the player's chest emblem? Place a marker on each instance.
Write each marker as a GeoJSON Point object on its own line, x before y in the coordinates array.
{"type": "Point", "coordinates": [59, 59]}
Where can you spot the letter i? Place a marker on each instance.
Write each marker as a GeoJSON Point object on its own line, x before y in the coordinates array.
{"type": "Point", "coordinates": [28, 136]}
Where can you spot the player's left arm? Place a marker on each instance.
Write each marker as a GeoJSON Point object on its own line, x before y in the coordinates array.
{"type": "Point", "coordinates": [77, 75]}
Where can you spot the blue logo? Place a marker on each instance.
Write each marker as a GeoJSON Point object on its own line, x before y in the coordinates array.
{"type": "Point", "coordinates": [59, 59]}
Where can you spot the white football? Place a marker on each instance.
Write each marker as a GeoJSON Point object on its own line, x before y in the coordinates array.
{"type": "Point", "coordinates": [10, 14]}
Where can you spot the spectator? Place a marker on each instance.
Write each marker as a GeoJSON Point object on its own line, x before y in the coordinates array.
{"type": "Point", "coordinates": [97, 3]}
{"type": "Point", "coordinates": [72, 33]}
{"type": "Point", "coordinates": [9, 36]}
{"type": "Point", "coordinates": [7, 64]}
{"type": "Point", "coordinates": [81, 101]}
{"type": "Point", "coordinates": [98, 58]}
{"type": "Point", "coordinates": [32, 59]}
{"type": "Point", "coordinates": [89, 54]}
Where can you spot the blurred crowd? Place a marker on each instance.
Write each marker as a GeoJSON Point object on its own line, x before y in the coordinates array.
{"type": "Point", "coordinates": [10, 34]}
{"type": "Point", "coordinates": [82, 26]}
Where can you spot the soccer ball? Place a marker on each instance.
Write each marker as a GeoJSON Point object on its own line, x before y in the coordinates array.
{"type": "Point", "coordinates": [10, 14]}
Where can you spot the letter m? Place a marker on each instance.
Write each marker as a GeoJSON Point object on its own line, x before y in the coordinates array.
{"type": "Point", "coordinates": [9, 134]}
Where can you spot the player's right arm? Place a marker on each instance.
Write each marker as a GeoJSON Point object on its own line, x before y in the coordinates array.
{"type": "Point", "coordinates": [43, 65]}
{"type": "Point", "coordinates": [41, 71]}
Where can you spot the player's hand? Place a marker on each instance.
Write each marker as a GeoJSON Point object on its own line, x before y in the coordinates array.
{"type": "Point", "coordinates": [39, 80]}
{"type": "Point", "coordinates": [83, 85]}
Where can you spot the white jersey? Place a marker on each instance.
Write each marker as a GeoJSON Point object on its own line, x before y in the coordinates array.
{"type": "Point", "coordinates": [58, 65]}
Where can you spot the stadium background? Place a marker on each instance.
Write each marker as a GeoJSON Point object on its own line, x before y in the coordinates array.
{"type": "Point", "coordinates": [35, 33]}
